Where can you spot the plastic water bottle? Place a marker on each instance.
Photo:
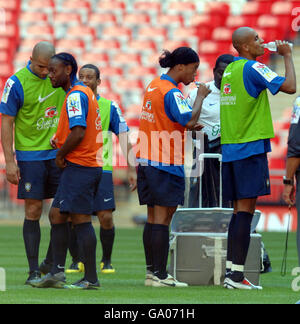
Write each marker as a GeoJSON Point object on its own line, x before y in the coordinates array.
{"type": "Point", "coordinates": [272, 47]}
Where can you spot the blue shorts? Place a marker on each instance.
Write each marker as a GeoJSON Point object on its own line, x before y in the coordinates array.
{"type": "Point", "coordinates": [248, 178]}
{"type": "Point", "coordinates": [77, 189]}
{"type": "Point", "coordinates": [105, 198]}
{"type": "Point", "coordinates": [39, 179]}
{"type": "Point", "coordinates": [159, 188]}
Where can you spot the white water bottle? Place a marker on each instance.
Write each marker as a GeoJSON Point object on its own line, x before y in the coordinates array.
{"type": "Point", "coordinates": [272, 47]}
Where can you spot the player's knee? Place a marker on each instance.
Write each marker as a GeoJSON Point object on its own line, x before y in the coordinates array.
{"type": "Point", "coordinates": [33, 209]}
{"type": "Point", "coordinates": [106, 219]}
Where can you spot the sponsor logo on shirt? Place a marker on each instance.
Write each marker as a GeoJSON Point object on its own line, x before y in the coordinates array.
{"type": "Point", "coordinates": [227, 89]}
{"type": "Point", "coordinates": [264, 71]}
{"type": "Point", "coordinates": [50, 112]}
{"type": "Point", "coordinates": [8, 86]}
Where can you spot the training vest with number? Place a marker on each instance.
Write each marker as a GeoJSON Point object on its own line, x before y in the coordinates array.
{"type": "Point", "coordinates": [37, 120]}
{"type": "Point", "coordinates": [89, 151]}
{"type": "Point", "coordinates": [160, 140]}
{"type": "Point", "coordinates": [243, 118]}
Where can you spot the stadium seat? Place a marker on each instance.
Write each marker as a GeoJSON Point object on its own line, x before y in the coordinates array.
{"type": "Point", "coordinates": [44, 31]}
{"type": "Point", "coordinates": [132, 19]}
{"type": "Point", "coordinates": [158, 34]}
{"type": "Point", "coordinates": [219, 12]}
{"type": "Point", "coordinates": [251, 10]}
{"type": "Point", "coordinates": [73, 46]}
{"type": "Point", "coordinates": [204, 25]}
{"type": "Point", "coordinates": [101, 45]}
{"type": "Point", "coordinates": [283, 10]}
{"type": "Point", "coordinates": [47, 6]}
{"type": "Point", "coordinates": [209, 51]}
{"type": "Point", "coordinates": [125, 59]}
{"type": "Point", "coordinates": [71, 18]}
{"type": "Point", "coordinates": [112, 73]}
{"type": "Point", "coordinates": [272, 26]}
{"type": "Point", "coordinates": [121, 33]}
{"type": "Point", "coordinates": [10, 4]}
{"type": "Point", "coordinates": [142, 46]}
{"type": "Point", "coordinates": [30, 17]}
{"type": "Point", "coordinates": [168, 20]}
{"type": "Point", "coordinates": [234, 22]}
{"type": "Point", "coordinates": [153, 6]}
{"type": "Point", "coordinates": [84, 32]}
{"type": "Point", "coordinates": [181, 7]}
{"type": "Point", "coordinates": [108, 5]}
{"type": "Point", "coordinates": [103, 19]}
{"type": "Point", "coordinates": [223, 37]}
{"type": "Point", "coordinates": [99, 59]}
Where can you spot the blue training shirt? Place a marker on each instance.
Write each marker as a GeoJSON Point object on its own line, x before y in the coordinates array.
{"type": "Point", "coordinates": [255, 82]}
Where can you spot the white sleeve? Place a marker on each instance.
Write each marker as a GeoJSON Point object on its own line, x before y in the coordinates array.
{"type": "Point", "coordinates": [191, 98]}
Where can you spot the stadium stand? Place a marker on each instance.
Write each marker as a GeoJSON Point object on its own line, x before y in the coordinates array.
{"type": "Point", "coordinates": [125, 38]}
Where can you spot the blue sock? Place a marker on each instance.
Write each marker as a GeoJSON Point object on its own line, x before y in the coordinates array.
{"type": "Point", "coordinates": [60, 243]}
{"type": "Point", "coordinates": [87, 241]}
{"type": "Point", "coordinates": [240, 244]}
{"type": "Point", "coordinates": [32, 239]}
{"type": "Point", "coordinates": [160, 248]}
{"type": "Point", "coordinates": [147, 240]}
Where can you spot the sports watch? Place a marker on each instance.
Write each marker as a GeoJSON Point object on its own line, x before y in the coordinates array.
{"type": "Point", "coordinates": [289, 182]}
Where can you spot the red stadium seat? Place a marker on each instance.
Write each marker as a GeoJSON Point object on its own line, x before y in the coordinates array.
{"type": "Point", "coordinates": [283, 10]}
{"type": "Point", "coordinates": [219, 11]}
{"type": "Point", "coordinates": [4, 56]}
{"type": "Point", "coordinates": [99, 59]}
{"type": "Point", "coordinates": [133, 19]}
{"type": "Point", "coordinates": [272, 26]}
{"type": "Point", "coordinates": [101, 45]}
{"type": "Point", "coordinates": [142, 71]}
{"type": "Point", "coordinates": [127, 85]}
{"type": "Point", "coordinates": [45, 5]}
{"type": "Point", "coordinates": [112, 73]}
{"type": "Point", "coordinates": [155, 33]}
{"type": "Point", "coordinates": [209, 51]}
{"type": "Point", "coordinates": [143, 45]}
{"type": "Point", "coordinates": [123, 58]}
{"type": "Point", "coordinates": [30, 17]}
{"type": "Point", "coordinates": [167, 20]}
{"type": "Point", "coordinates": [118, 32]}
{"type": "Point", "coordinates": [171, 45]}
{"type": "Point", "coordinates": [108, 5]}
{"type": "Point", "coordinates": [73, 46]}
{"type": "Point", "coordinates": [44, 31]}
{"type": "Point", "coordinates": [234, 22]}
{"type": "Point", "coordinates": [70, 18]}
{"type": "Point", "coordinates": [204, 25]}
{"type": "Point", "coordinates": [180, 7]}
{"type": "Point", "coordinates": [251, 10]}
{"type": "Point", "coordinates": [153, 6]}
{"type": "Point", "coordinates": [10, 4]}
{"type": "Point", "coordinates": [223, 37]}
{"type": "Point", "coordinates": [105, 18]}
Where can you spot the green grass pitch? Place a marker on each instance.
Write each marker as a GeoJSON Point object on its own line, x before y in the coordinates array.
{"type": "Point", "coordinates": [127, 285]}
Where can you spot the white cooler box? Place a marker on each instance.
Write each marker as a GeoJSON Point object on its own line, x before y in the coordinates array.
{"type": "Point", "coordinates": [198, 246]}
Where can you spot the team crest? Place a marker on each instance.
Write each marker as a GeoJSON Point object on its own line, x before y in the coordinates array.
{"type": "Point", "coordinates": [227, 89]}
{"type": "Point", "coordinates": [74, 105]}
{"type": "Point", "coordinates": [28, 186]}
{"type": "Point", "coordinates": [181, 103]}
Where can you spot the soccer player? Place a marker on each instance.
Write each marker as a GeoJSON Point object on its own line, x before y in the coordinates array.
{"type": "Point", "coordinates": [79, 139]}
{"type": "Point", "coordinates": [161, 184]}
{"type": "Point", "coordinates": [30, 110]}
{"type": "Point", "coordinates": [246, 130]}
{"type": "Point", "coordinates": [112, 121]}
{"type": "Point", "coordinates": [210, 118]}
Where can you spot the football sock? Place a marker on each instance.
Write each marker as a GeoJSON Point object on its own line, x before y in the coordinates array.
{"type": "Point", "coordinates": [60, 242]}
{"type": "Point", "coordinates": [73, 245]}
{"type": "Point", "coordinates": [160, 247]}
{"type": "Point", "coordinates": [240, 244]}
{"type": "Point", "coordinates": [107, 238]}
{"type": "Point", "coordinates": [49, 256]}
{"type": "Point", "coordinates": [87, 243]}
{"type": "Point", "coordinates": [147, 240]}
{"type": "Point", "coordinates": [32, 239]}
{"type": "Point", "coordinates": [229, 243]}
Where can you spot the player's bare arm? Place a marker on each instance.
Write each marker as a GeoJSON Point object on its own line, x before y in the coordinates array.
{"type": "Point", "coordinates": [73, 140]}
{"type": "Point", "coordinates": [7, 139]}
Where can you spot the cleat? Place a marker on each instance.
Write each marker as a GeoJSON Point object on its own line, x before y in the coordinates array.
{"type": "Point", "coordinates": [168, 282]}
{"type": "Point", "coordinates": [51, 281]}
{"type": "Point", "coordinates": [45, 267]}
{"type": "Point", "coordinates": [107, 268]}
{"type": "Point", "coordinates": [245, 284]}
{"type": "Point", "coordinates": [149, 279]}
{"type": "Point", "coordinates": [83, 285]}
{"type": "Point", "coordinates": [33, 277]}
{"type": "Point", "coordinates": [75, 268]}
